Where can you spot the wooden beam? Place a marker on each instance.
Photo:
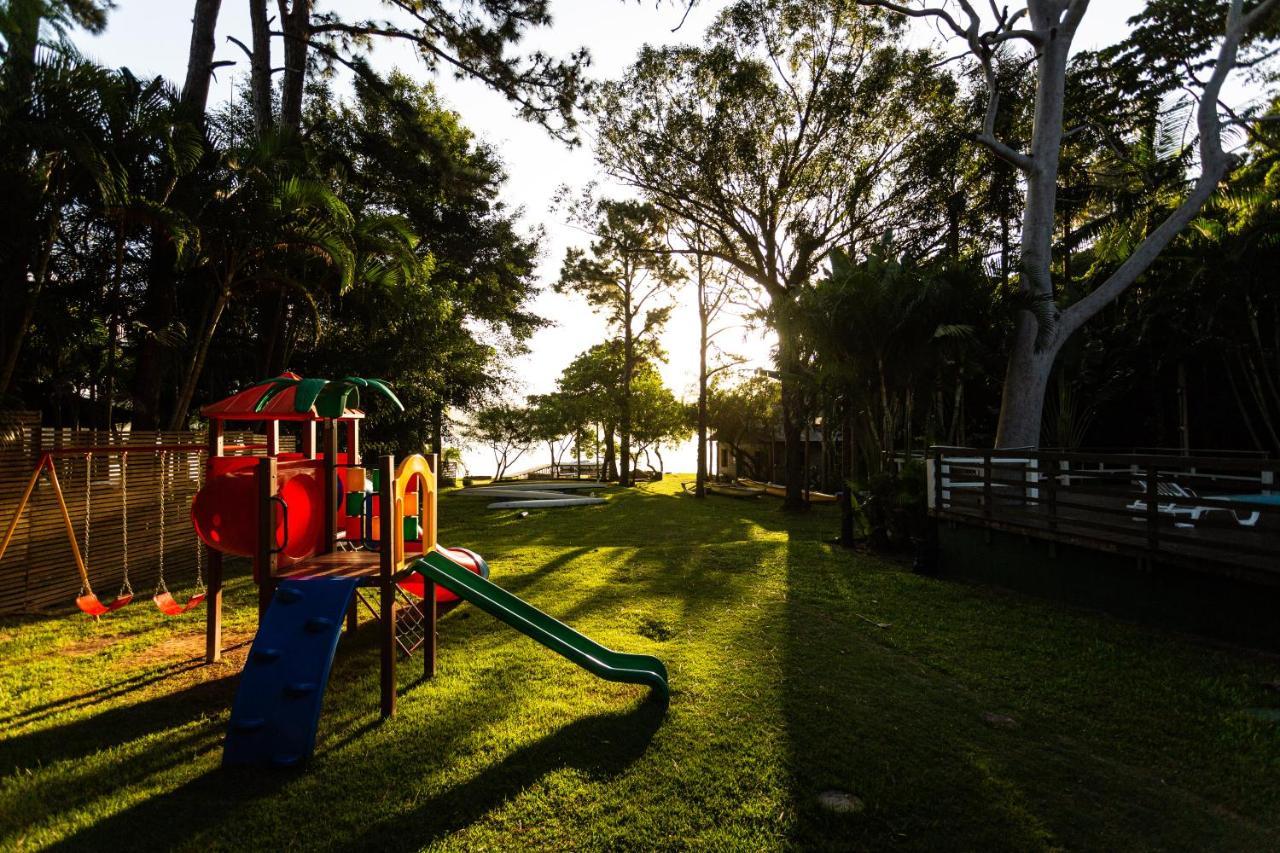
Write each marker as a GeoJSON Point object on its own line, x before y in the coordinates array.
{"type": "Point", "coordinates": [213, 594]}
{"type": "Point", "coordinates": [330, 486]}
{"type": "Point", "coordinates": [430, 604]}
{"type": "Point", "coordinates": [309, 439]}
{"type": "Point", "coordinates": [273, 438]}
{"type": "Point", "coordinates": [265, 561]}
{"type": "Point", "coordinates": [429, 494]}
{"type": "Point", "coordinates": [386, 586]}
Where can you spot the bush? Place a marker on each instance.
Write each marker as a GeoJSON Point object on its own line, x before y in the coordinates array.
{"type": "Point", "coordinates": [467, 482]}
{"type": "Point", "coordinates": [894, 507]}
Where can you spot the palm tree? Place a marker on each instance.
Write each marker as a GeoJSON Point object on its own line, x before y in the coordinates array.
{"type": "Point", "coordinates": [150, 147]}
{"type": "Point", "coordinates": [879, 326]}
{"type": "Point", "coordinates": [265, 227]}
{"type": "Point", "coordinates": [52, 152]}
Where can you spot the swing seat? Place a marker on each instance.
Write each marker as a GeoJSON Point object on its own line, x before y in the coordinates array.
{"type": "Point", "coordinates": [93, 606]}
{"type": "Point", "coordinates": [169, 606]}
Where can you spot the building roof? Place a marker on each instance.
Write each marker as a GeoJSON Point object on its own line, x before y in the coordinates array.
{"type": "Point", "coordinates": [814, 435]}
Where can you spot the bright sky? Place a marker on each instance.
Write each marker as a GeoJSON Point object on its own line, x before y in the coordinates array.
{"type": "Point", "coordinates": [151, 37]}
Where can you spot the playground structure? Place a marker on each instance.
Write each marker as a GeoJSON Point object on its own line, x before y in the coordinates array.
{"type": "Point", "coordinates": [327, 536]}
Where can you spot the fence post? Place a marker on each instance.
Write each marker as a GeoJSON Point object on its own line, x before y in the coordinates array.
{"type": "Point", "coordinates": [986, 484]}
{"type": "Point", "coordinates": [1153, 507]}
{"type": "Point", "coordinates": [935, 480]}
{"type": "Point", "coordinates": [1051, 489]}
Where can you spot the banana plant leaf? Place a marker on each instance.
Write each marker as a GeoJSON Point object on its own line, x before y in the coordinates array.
{"type": "Point", "coordinates": [308, 391]}
{"type": "Point", "coordinates": [330, 398]}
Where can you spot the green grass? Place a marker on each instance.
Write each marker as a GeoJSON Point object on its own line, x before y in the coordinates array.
{"type": "Point", "coordinates": [784, 685]}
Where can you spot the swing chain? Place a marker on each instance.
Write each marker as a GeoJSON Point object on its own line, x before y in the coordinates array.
{"type": "Point", "coordinates": [161, 586]}
{"type": "Point", "coordinates": [88, 513]}
{"type": "Point", "coordinates": [199, 543]}
{"type": "Point", "coordinates": [126, 588]}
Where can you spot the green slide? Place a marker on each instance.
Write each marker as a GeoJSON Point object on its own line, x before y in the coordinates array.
{"type": "Point", "coordinates": [555, 635]}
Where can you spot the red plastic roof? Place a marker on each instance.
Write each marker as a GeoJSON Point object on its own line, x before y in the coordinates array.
{"type": "Point", "coordinates": [242, 406]}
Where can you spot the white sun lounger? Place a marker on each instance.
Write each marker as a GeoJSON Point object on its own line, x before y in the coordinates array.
{"type": "Point", "coordinates": [1186, 504]}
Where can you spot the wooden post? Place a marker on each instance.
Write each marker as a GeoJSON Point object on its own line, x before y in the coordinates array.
{"type": "Point", "coordinates": [273, 438]}
{"type": "Point", "coordinates": [330, 486]}
{"type": "Point", "coordinates": [430, 518]}
{"type": "Point", "coordinates": [309, 439]}
{"type": "Point", "coordinates": [213, 593]}
{"type": "Point", "coordinates": [265, 562]}
{"type": "Point", "coordinates": [1153, 507]}
{"type": "Point", "coordinates": [429, 606]}
{"type": "Point", "coordinates": [986, 484]}
{"type": "Point", "coordinates": [353, 442]}
{"type": "Point", "coordinates": [1051, 486]}
{"type": "Point", "coordinates": [386, 586]}
{"type": "Point", "coordinates": [937, 475]}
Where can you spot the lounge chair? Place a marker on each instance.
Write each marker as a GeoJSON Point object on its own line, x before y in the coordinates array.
{"type": "Point", "coordinates": [1187, 504]}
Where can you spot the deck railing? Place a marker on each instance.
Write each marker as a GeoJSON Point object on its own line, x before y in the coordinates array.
{"type": "Point", "coordinates": [1199, 510]}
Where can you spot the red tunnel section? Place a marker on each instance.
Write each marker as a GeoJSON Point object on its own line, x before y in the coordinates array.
{"type": "Point", "coordinates": [225, 510]}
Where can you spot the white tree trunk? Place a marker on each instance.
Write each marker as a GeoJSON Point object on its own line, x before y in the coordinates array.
{"type": "Point", "coordinates": [1052, 26]}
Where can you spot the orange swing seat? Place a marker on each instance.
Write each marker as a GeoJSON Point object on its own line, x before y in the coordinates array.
{"type": "Point", "coordinates": [92, 605]}
{"type": "Point", "coordinates": [169, 606]}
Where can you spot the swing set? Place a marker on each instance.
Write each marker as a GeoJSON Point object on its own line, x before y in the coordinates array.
{"type": "Point", "coordinates": [88, 601]}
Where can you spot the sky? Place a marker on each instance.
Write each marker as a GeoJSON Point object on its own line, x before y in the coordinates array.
{"type": "Point", "coordinates": [152, 36]}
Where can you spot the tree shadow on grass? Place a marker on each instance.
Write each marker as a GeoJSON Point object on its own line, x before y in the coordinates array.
{"type": "Point", "coordinates": [117, 726]}
{"type": "Point", "coordinates": [912, 739]}
{"type": "Point", "coordinates": [601, 746]}
{"type": "Point", "coordinates": [210, 800]}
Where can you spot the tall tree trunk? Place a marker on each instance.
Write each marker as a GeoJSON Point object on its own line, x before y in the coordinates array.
{"type": "Point", "coordinates": [846, 475]}
{"type": "Point", "coordinates": [20, 241]}
{"type": "Point", "coordinates": [192, 378]}
{"type": "Point", "coordinates": [628, 373]}
{"type": "Point", "coordinates": [272, 322]}
{"type": "Point", "coordinates": [792, 419]}
{"type": "Point", "coordinates": [1027, 375]}
{"type": "Point", "coordinates": [113, 329]}
{"type": "Point", "coordinates": [296, 21]}
{"type": "Point", "coordinates": [195, 90]}
{"type": "Point", "coordinates": [160, 304]}
{"type": "Point", "coordinates": [700, 479]}
{"type": "Point", "coordinates": [260, 68]}
{"type": "Point", "coordinates": [437, 426]}
{"type": "Point", "coordinates": [610, 466]}
{"type": "Point", "coordinates": [30, 300]}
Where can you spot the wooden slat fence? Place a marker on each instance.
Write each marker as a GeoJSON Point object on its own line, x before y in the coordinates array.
{"type": "Point", "coordinates": [153, 490]}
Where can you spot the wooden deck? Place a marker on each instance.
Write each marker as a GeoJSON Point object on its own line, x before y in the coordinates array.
{"type": "Point", "coordinates": [339, 564]}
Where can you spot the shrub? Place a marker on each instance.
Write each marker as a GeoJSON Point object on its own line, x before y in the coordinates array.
{"type": "Point", "coordinates": [894, 507]}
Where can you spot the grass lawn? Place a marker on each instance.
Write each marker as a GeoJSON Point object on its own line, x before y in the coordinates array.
{"type": "Point", "coordinates": [959, 717]}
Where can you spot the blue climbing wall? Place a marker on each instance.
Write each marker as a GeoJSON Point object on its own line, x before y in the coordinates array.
{"type": "Point", "coordinates": [277, 707]}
